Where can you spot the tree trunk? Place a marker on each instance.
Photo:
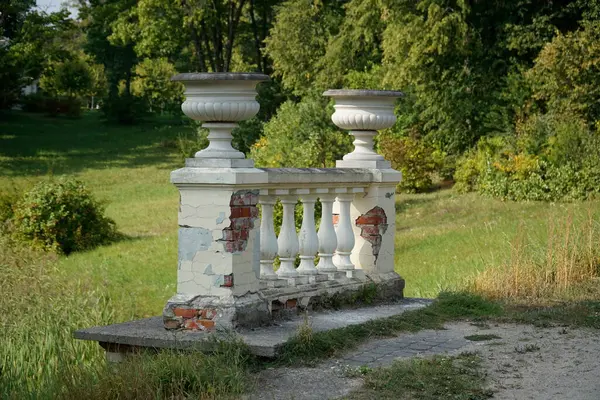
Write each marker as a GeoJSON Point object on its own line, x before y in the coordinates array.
{"type": "Point", "coordinates": [257, 41]}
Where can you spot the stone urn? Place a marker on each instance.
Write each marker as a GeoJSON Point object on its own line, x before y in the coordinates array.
{"type": "Point", "coordinates": [363, 113]}
{"type": "Point", "coordinates": [220, 101]}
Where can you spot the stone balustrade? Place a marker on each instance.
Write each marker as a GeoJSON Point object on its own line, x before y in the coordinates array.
{"type": "Point", "coordinates": [228, 248]}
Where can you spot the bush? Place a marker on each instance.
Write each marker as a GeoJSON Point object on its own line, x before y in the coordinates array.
{"type": "Point", "coordinates": [53, 106]}
{"type": "Point", "coordinates": [62, 216]}
{"type": "Point", "coordinates": [554, 157]}
{"type": "Point", "coordinates": [417, 160]}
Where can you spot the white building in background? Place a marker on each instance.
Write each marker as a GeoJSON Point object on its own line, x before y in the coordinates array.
{"type": "Point", "coordinates": [32, 88]}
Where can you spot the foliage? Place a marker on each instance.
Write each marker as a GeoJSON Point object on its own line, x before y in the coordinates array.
{"type": "Point", "coordinates": [118, 61]}
{"type": "Point", "coordinates": [67, 78]}
{"type": "Point", "coordinates": [153, 84]}
{"type": "Point", "coordinates": [298, 41]}
{"type": "Point", "coordinates": [552, 158]}
{"type": "Point", "coordinates": [62, 216]}
{"type": "Point", "coordinates": [566, 74]}
{"type": "Point", "coordinates": [417, 160]}
{"type": "Point", "coordinates": [301, 135]}
{"type": "Point", "coordinates": [51, 105]}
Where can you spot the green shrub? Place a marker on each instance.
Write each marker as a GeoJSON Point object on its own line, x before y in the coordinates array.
{"type": "Point", "coordinates": [417, 160]}
{"type": "Point", "coordinates": [62, 216]}
{"type": "Point", "coordinates": [51, 105]}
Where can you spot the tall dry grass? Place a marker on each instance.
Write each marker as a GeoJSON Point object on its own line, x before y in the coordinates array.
{"type": "Point", "coordinates": [40, 307]}
{"type": "Point", "coordinates": [556, 267]}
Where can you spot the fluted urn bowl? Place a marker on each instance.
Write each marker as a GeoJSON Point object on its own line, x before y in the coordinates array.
{"type": "Point", "coordinates": [363, 110]}
{"type": "Point", "coordinates": [220, 97]}
{"type": "Point", "coordinates": [220, 101]}
{"type": "Point", "coordinates": [363, 113]}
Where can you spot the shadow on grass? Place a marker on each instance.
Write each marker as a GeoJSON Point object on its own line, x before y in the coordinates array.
{"type": "Point", "coordinates": [31, 144]}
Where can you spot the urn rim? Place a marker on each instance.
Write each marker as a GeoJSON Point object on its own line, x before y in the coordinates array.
{"type": "Point", "coordinates": [362, 93]}
{"type": "Point", "coordinates": [219, 76]}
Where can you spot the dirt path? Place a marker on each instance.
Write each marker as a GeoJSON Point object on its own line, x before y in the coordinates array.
{"type": "Point", "coordinates": [535, 363]}
{"type": "Point", "coordinates": [523, 363]}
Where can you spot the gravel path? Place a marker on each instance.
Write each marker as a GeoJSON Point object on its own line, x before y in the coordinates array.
{"type": "Point", "coordinates": [524, 363]}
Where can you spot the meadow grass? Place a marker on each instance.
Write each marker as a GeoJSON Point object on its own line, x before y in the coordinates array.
{"type": "Point", "coordinates": [443, 241]}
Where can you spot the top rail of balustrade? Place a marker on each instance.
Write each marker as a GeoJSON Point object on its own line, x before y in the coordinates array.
{"type": "Point", "coordinates": [278, 177]}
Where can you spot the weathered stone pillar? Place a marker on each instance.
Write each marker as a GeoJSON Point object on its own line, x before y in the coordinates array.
{"type": "Point", "coordinates": [218, 267]}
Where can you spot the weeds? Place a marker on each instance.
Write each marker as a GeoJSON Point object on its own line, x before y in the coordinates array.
{"type": "Point", "coordinates": [528, 348]}
{"type": "Point", "coordinates": [169, 374]}
{"type": "Point", "coordinates": [428, 379]}
{"type": "Point", "coordinates": [449, 306]}
{"type": "Point", "coordinates": [568, 259]}
{"type": "Point", "coordinates": [481, 338]}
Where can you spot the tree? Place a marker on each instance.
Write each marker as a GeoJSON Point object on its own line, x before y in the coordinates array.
{"type": "Point", "coordinates": [118, 60]}
{"type": "Point", "coordinates": [298, 41]}
{"type": "Point", "coordinates": [153, 83]}
{"type": "Point", "coordinates": [71, 78]}
{"type": "Point", "coordinates": [301, 135]}
{"type": "Point", "coordinates": [31, 41]}
{"type": "Point", "coordinates": [195, 34]}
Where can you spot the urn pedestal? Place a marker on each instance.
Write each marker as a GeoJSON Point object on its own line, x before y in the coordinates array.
{"type": "Point", "coordinates": [363, 113]}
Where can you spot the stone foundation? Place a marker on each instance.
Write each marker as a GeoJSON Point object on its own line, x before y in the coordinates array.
{"type": "Point", "coordinates": [207, 313]}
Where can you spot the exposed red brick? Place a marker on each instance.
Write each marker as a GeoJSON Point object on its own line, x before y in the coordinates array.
{"type": "Point", "coordinates": [206, 324]}
{"type": "Point", "coordinates": [369, 220]}
{"type": "Point", "coordinates": [291, 303]}
{"type": "Point", "coordinates": [370, 230]}
{"type": "Point", "coordinates": [242, 223]}
{"type": "Point", "coordinates": [243, 214]}
{"type": "Point", "coordinates": [373, 224]}
{"type": "Point", "coordinates": [227, 281]}
{"type": "Point", "coordinates": [230, 247]}
{"type": "Point", "coordinates": [191, 324]}
{"type": "Point", "coordinates": [185, 312]}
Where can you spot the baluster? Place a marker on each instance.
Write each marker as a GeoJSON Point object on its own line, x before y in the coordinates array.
{"type": "Point", "coordinates": [288, 240]}
{"type": "Point", "coordinates": [309, 242]}
{"type": "Point", "coordinates": [268, 240]}
{"type": "Point", "coordinates": [345, 234]}
{"type": "Point", "coordinates": [326, 235]}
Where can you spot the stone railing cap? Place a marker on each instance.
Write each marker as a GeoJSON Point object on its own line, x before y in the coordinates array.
{"type": "Point", "coordinates": [361, 92]}
{"type": "Point", "coordinates": [219, 76]}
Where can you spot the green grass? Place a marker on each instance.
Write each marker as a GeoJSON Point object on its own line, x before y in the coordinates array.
{"type": "Point", "coordinates": [434, 378]}
{"type": "Point", "coordinates": [481, 338]}
{"type": "Point", "coordinates": [443, 239]}
{"type": "Point", "coordinates": [308, 347]}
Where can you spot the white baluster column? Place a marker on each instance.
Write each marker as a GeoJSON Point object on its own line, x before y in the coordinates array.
{"type": "Point", "coordinates": [345, 233]}
{"type": "Point", "coordinates": [288, 240]}
{"type": "Point", "coordinates": [309, 242]}
{"type": "Point", "coordinates": [268, 240]}
{"type": "Point", "coordinates": [326, 235]}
